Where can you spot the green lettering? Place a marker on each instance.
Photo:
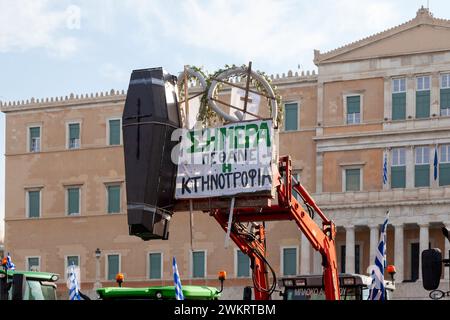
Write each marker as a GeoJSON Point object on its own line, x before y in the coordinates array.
{"type": "Point", "coordinates": [264, 133]}
{"type": "Point", "coordinates": [226, 167]}
{"type": "Point", "coordinates": [239, 137]}
{"type": "Point", "coordinates": [251, 130]}
{"type": "Point", "coordinates": [226, 138]}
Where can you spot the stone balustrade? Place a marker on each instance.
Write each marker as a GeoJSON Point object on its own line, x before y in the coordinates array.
{"type": "Point", "coordinates": [383, 198]}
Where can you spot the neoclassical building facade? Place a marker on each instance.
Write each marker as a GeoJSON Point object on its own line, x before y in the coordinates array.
{"type": "Point", "coordinates": [383, 101]}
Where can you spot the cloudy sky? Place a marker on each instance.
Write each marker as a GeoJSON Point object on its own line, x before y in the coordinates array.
{"type": "Point", "coordinates": [52, 48]}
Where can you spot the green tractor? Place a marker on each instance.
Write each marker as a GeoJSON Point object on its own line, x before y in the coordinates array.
{"type": "Point", "coordinates": [27, 285]}
{"type": "Point", "coordinates": [160, 292]}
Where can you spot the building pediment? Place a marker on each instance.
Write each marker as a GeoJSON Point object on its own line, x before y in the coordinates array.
{"type": "Point", "coordinates": [422, 34]}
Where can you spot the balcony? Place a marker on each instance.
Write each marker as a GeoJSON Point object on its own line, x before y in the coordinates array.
{"type": "Point", "coordinates": [35, 145]}
{"type": "Point", "coordinates": [360, 199]}
{"type": "Point", "coordinates": [74, 143]}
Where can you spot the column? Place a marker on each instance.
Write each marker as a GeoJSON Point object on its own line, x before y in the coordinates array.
{"type": "Point", "coordinates": [387, 98]}
{"type": "Point", "coordinates": [435, 95]}
{"type": "Point", "coordinates": [445, 253]}
{"type": "Point", "coordinates": [410, 165]}
{"type": "Point", "coordinates": [423, 243]}
{"type": "Point", "coordinates": [317, 260]}
{"type": "Point", "coordinates": [320, 124]}
{"type": "Point", "coordinates": [305, 253]}
{"type": "Point", "coordinates": [374, 239]}
{"type": "Point", "coordinates": [350, 249]}
{"type": "Point", "coordinates": [410, 96]}
{"type": "Point", "coordinates": [398, 252]}
{"type": "Point", "coordinates": [319, 172]}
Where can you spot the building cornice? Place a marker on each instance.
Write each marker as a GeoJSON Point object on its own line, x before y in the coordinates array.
{"type": "Point", "coordinates": [423, 17]}
{"type": "Point", "coordinates": [289, 79]}
{"type": "Point", "coordinates": [72, 100]}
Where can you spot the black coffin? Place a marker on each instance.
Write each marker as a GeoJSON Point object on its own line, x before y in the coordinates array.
{"type": "Point", "coordinates": [149, 118]}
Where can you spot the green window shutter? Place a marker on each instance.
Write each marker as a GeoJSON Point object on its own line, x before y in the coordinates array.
{"type": "Point", "coordinates": [422, 175]}
{"type": "Point", "coordinates": [198, 264]}
{"type": "Point", "coordinates": [444, 174]}
{"type": "Point", "coordinates": [113, 199]}
{"type": "Point", "coordinates": [445, 98]}
{"type": "Point", "coordinates": [113, 266]}
{"type": "Point", "coordinates": [290, 116]}
{"type": "Point", "coordinates": [243, 265]}
{"type": "Point", "coordinates": [35, 132]}
{"type": "Point", "coordinates": [289, 261]}
{"type": "Point", "coordinates": [72, 260]}
{"type": "Point", "coordinates": [353, 104]}
{"type": "Point", "coordinates": [114, 132]}
{"type": "Point", "coordinates": [398, 177]}
{"type": "Point", "coordinates": [155, 266]}
{"type": "Point", "coordinates": [352, 180]}
{"type": "Point", "coordinates": [423, 104]}
{"type": "Point", "coordinates": [33, 262]}
{"type": "Point", "coordinates": [399, 106]}
{"type": "Point", "coordinates": [34, 204]}
{"type": "Point", "coordinates": [73, 200]}
{"type": "Point", "coordinates": [74, 131]}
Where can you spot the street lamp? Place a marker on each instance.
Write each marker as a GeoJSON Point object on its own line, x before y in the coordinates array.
{"type": "Point", "coordinates": [98, 255]}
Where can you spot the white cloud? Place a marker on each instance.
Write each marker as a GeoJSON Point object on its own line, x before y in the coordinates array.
{"type": "Point", "coordinates": [29, 24]}
{"type": "Point", "coordinates": [266, 30]}
{"type": "Point", "coordinates": [114, 73]}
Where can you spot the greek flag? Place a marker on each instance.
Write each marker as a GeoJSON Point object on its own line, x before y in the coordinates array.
{"type": "Point", "coordinates": [377, 290]}
{"type": "Point", "coordinates": [9, 264]}
{"type": "Point", "coordinates": [74, 293]}
{"type": "Point", "coordinates": [435, 163]}
{"type": "Point", "coordinates": [176, 279]}
{"type": "Point", "coordinates": [385, 170]}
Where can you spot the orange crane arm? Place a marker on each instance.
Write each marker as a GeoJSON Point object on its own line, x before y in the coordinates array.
{"type": "Point", "coordinates": [251, 246]}
{"type": "Point", "coordinates": [322, 238]}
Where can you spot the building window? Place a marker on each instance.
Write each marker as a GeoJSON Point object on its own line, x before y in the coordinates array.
{"type": "Point", "coordinates": [353, 104]}
{"type": "Point", "coordinates": [343, 255]}
{"type": "Point", "coordinates": [113, 266]}
{"type": "Point", "coordinates": [445, 94]}
{"type": "Point", "coordinates": [242, 264]}
{"type": "Point", "coordinates": [422, 168]}
{"type": "Point", "coordinates": [399, 99]}
{"type": "Point", "coordinates": [290, 116]}
{"type": "Point", "coordinates": [444, 165]}
{"type": "Point", "coordinates": [352, 179]}
{"type": "Point", "coordinates": [155, 265]}
{"type": "Point", "coordinates": [198, 264]}
{"type": "Point", "coordinates": [114, 132]}
{"type": "Point", "coordinates": [357, 258]}
{"type": "Point", "coordinates": [289, 261]}
{"type": "Point", "coordinates": [35, 139]}
{"type": "Point", "coordinates": [33, 203]}
{"type": "Point", "coordinates": [74, 136]}
{"type": "Point", "coordinates": [33, 263]}
{"type": "Point", "coordinates": [113, 198]}
{"type": "Point", "coordinates": [72, 260]}
{"type": "Point", "coordinates": [398, 168]}
{"type": "Point", "coordinates": [73, 201]}
{"type": "Point", "coordinates": [423, 97]}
